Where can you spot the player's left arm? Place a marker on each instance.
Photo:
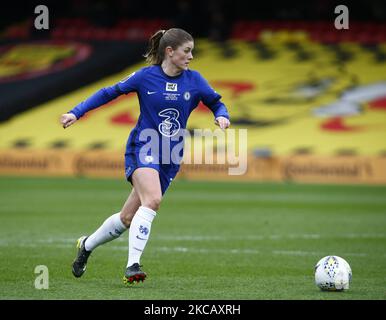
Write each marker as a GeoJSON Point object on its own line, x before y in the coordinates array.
{"type": "Point", "coordinates": [213, 101]}
{"type": "Point", "coordinates": [221, 114]}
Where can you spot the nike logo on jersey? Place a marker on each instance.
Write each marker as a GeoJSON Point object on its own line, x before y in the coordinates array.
{"type": "Point", "coordinates": [151, 92]}
{"type": "Point", "coordinates": [141, 238]}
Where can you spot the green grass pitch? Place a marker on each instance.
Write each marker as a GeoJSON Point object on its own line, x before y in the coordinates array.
{"type": "Point", "coordinates": [209, 240]}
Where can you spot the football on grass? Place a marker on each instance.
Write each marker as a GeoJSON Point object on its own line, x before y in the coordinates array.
{"type": "Point", "coordinates": [333, 273]}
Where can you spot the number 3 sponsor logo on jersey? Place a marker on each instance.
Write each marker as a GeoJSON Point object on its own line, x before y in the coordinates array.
{"type": "Point", "coordinates": [170, 126]}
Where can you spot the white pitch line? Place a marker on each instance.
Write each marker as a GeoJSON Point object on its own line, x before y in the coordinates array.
{"type": "Point", "coordinates": [308, 253]}
{"type": "Point", "coordinates": [277, 197]}
{"type": "Point", "coordinates": [268, 237]}
{"type": "Point", "coordinates": [201, 238]}
{"type": "Point", "coordinates": [177, 249]}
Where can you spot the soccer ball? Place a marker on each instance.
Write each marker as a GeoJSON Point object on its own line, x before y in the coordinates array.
{"type": "Point", "coordinates": [333, 273]}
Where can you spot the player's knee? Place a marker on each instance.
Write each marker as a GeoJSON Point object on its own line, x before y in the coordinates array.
{"type": "Point", "coordinates": [153, 203]}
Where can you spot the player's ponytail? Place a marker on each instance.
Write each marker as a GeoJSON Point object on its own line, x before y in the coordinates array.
{"type": "Point", "coordinates": [152, 56]}
{"type": "Point", "coordinates": [164, 38]}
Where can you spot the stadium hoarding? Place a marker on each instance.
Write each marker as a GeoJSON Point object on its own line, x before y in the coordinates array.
{"type": "Point", "coordinates": [297, 168]}
{"type": "Point", "coordinates": [61, 163]}
{"type": "Point", "coordinates": [35, 162]}
{"type": "Point", "coordinates": [337, 169]}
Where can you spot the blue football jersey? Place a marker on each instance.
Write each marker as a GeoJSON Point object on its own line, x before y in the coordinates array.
{"type": "Point", "coordinates": [161, 97]}
{"type": "Point", "coordinates": [165, 103]}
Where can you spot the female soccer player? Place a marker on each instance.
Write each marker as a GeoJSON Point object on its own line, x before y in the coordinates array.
{"type": "Point", "coordinates": [168, 92]}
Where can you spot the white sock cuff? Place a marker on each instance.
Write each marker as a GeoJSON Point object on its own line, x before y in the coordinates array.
{"type": "Point", "coordinates": [146, 213]}
{"type": "Point", "coordinates": [118, 222]}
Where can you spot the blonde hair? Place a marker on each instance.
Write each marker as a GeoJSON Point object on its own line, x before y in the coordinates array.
{"type": "Point", "coordinates": [158, 42]}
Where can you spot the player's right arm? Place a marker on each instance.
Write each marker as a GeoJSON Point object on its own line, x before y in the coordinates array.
{"type": "Point", "coordinates": [101, 97]}
{"type": "Point", "coordinates": [67, 119]}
